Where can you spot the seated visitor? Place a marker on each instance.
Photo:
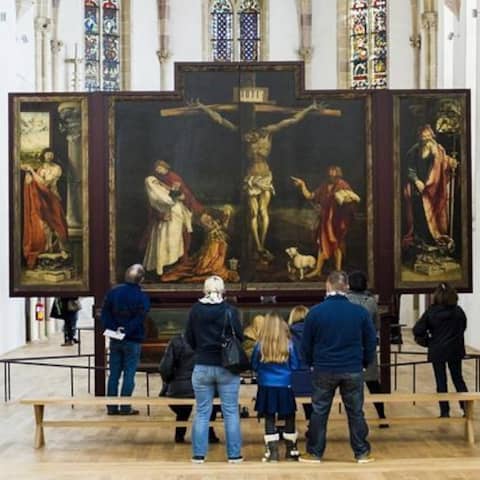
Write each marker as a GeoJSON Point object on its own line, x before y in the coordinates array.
{"type": "Point", "coordinates": [176, 369]}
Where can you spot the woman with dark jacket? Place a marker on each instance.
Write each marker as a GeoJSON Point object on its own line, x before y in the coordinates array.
{"type": "Point", "coordinates": [67, 309]}
{"type": "Point", "coordinates": [207, 321]}
{"type": "Point", "coordinates": [176, 369]}
{"type": "Point", "coordinates": [358, 293]}
{"type": "Point", "coordinates": [444, 324]}
{"type": "Point", "coordinates": [302, 377]}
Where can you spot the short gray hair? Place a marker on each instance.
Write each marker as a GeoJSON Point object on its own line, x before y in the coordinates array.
{"type": "Point", "coordinates": [135, 273]}
{"type": "Point", "coordinates": [338, 280]}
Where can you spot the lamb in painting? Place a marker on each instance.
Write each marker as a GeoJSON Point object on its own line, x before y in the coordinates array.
{"type": "Point", "coordinates": [298, 262]}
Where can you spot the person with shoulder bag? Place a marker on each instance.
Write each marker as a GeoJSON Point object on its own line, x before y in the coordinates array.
{"type": "Point", "coordinates": [67, 308]}
{"type": "Point", "coordinates": [205, 333]}
{"type": "Point", "coordinates": [441, 329]}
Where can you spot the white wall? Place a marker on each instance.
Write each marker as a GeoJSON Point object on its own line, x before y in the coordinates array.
{"type": "Point", "coordinates": [12, 323]}
{"type": "Point", "coordinates": [323, 70]}
{"type": "Point", "coordinates": [283, 27]}
{"type": "Point", "coordinates": [400, 53]}
{"type": "Point", "coordinates": [459, 67]}
{"type": "Point", "coordinates": [144, 61]}
{"type": "Point", "coordinates": [70, 32]}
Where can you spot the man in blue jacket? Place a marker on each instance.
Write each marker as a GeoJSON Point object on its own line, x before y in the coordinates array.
{"type": "Point", "coordinates": [124, 310]}
{"type": "Point", "coordinates": [338, 341]}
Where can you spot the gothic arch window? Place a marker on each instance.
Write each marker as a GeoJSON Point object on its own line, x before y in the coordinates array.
{"type": "Point", "coordinates": [102, 45]}
{"type": "Point", "coordinates": [235, 28]}
{"type": "Point", "coordinates": [368, 43]}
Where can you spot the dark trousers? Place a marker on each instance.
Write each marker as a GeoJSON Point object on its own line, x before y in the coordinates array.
{"type": "Point", "coordinates": [183, 413]}
{"type": "Point", "coordinates": [351, 390]}
{"type": "Point", "coordinates": [69, 326]}
{"type": "Point", "coordinates": [271, 427]}
{"type": "Point", "coordinates": [440, 371]}
{"type": "Point", "coordinates": [375, 387]}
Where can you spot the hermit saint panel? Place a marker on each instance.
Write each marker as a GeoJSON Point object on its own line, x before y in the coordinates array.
{"type": "Point", "coordinates": [240, 174]}
{"type": "Point", "coordinates": [49, 195]}
{"type": "Point", "coordinates": [432, 197]}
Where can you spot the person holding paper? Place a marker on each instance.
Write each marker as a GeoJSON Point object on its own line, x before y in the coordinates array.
{"type": "Point", "coordinates": [124, 310]}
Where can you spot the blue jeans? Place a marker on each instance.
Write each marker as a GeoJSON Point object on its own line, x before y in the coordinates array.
{"type": "Point", "coordinates": [124, 357]}
{"type": "Point", "coordinates": [207, 379]}
{"type": "Point", "coordinates": [351, 389]}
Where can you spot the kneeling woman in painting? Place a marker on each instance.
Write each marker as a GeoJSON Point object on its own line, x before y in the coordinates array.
{"type": "Point", "coordinates": [443, 326]}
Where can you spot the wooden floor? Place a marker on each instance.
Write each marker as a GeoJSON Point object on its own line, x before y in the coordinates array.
{"type": "Point", "coordinates": [429, 452]}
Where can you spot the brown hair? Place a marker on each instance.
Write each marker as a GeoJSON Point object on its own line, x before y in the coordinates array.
{"type": "Point", "coordinates": [297, 314]}
{"type": "Point", "coordinates": [161, 163]}
{"type": "Point", "coordinates": [445, 294]}
{"type": "Point", "coordinates": [273, 339]}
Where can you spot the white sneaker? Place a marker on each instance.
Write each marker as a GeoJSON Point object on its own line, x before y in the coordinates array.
{"type": "Point", "coordinates": [365, 458]}
{"type": "Point", "coordinates": [198, 459]}
{"type": "Point", "coordinates": [235, 460]}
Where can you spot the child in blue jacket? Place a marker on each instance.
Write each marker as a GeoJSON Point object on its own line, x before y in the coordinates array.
{"type": "Point", "coordinates": [273, 359]}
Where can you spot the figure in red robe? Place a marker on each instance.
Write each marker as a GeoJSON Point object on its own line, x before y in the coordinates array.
{"type": "Point", "coordinates": [172, 206]}
{"type": "Point", "coordinates": [334, 200]}
{"type": "Point", "coordinates": [44, 223]}
{"type": "Point", "coordinates": [426, 191]}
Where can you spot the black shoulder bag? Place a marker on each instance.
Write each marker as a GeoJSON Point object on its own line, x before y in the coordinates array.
{"type": "Point", "coordinates": [234, 357]}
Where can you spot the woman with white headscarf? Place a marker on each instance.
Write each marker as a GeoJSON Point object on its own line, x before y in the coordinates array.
{"type": "Point", "coordinates": [204, 334]}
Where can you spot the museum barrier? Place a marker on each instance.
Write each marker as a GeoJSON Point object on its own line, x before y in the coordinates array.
{"type": "Point", "coordinates": [151, 369]}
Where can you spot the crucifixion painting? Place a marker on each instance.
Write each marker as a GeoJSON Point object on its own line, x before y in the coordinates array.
{"type": "Point", "coordinates": [258, 183]}
{"type": "Point", "coordinates": [232, 178]}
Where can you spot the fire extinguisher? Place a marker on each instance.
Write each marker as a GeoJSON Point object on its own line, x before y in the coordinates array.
{"type": "Point", "coordinates": [39, 310]}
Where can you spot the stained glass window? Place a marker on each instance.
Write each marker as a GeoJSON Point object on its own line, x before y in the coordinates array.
{"type": "Point", "coordinates": [368, 44]}
{"type": "Point", "coordinates": [222, 30]}
{"type": "Point", "coordinates": [235, 30]}
{"type": "Point", "coordinates": [249, 14]}
{"type": "Point", "coordinates": [102, 45]}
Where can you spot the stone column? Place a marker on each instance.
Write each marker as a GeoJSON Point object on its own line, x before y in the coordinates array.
{"type": "Point", "coordinates": [42, 31]}
{"type": "Point", "coordinates": [55, 45]}
{"type": "Point", "coordinates": [70, 124]}
{"type": "Point", "coordinates": [430, 27]}
{"type": "Point", "coordinates": [305, 51]}
{"type": "Point", "coordinates": [416, 43]}
{"type": "Point", "coordinates": [163, 52]}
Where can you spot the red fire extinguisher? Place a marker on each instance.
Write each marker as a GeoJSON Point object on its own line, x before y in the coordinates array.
{"type": "Point", "coordinates": [39, 310]}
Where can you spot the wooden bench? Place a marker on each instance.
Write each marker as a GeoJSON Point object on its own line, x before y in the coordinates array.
{"type": "Point", "coordinates": [116, 421]}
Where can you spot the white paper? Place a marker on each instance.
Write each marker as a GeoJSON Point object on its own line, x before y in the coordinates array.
{"type": "Point", "coordinates": [114, 334]}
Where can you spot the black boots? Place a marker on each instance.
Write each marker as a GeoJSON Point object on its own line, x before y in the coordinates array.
{"type": "Point", "coordinates": [180, 434]}
{"type": "Point", "coordinates": [291, 452]}
{"type": "Point", "coordinates": [181, 431]}
{"type": "Point", "coordinates": [212, 437]}
{"type": "Point", "coordinates": [271, 448]}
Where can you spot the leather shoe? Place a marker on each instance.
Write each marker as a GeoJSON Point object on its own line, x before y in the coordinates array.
{"type": "Point", "coordinates": [129, 412]}
{"type": "Point", "coordinates": [113, 412]}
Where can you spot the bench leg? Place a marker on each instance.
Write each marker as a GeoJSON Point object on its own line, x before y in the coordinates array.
{"type": "Point", "coordinates": [39, 436]}
{"type": "Point", "coordinates": [469, 432]}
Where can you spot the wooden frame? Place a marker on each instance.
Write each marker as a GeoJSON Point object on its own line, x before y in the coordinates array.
{"type": "Point", "coordinates": [49, 238]}
{"type": "Point", "coordinates": [433, 226]}
{"type": "Point", "coordinates": [133, 119]}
